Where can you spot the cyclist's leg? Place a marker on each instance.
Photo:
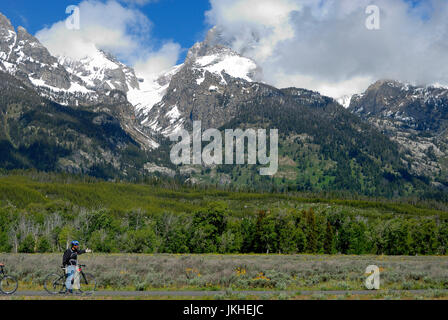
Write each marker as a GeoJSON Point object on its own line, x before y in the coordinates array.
{"type": "Point", "coordinates": [70, 275]}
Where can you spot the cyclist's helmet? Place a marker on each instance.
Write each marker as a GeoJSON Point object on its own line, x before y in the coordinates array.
{"type": "Point", "coordinates": [75, 243]}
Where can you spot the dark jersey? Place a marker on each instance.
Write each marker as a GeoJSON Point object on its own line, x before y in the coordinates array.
{"type": "Point", "coordinates": [70, 257]}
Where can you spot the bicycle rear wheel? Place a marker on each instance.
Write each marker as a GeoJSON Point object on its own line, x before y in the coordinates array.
{"type": "Point", "coordinates": [88, 283]}
{"type": "Point", "coordinates": [54, 284]}
{"type": "Point", "coordinates": [8, 285]}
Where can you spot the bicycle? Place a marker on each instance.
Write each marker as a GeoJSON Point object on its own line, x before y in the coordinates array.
{"type": "Point", "coordinates": [55, 283]}
{"type": "Point", "coordinates": [8, 284]}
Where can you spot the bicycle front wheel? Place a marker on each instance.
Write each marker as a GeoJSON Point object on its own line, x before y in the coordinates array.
{"type": "Point", "coordinates": [54, 284]}
{"type": "Point", "coordinates": [88, 283]}
{"type": "Point", "coordinates": [8, 285]}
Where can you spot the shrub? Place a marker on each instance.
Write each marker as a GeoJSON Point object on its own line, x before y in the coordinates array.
{"type": "Point", "coordinates": [27, 245]}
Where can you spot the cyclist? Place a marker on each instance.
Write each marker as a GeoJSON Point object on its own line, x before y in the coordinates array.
{"type": "Point", "coordinates": [70, 260]}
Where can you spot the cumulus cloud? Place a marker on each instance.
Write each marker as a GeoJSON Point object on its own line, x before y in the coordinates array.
{"type": "Point", "coordinates": [325, 45]}
{"type": "Point", "coordinates": [159, 61]}
{"type": "Point", "coordinates": [109, 26]}
{"type": "Point", "coordinates": [260, 23]}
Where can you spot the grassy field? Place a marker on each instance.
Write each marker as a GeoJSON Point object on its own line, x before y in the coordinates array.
{"type": "Point", "coordinates": [134, 272]}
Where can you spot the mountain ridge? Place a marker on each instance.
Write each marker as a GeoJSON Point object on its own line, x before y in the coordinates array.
{"type": "Point", "coordinates": [323, 146]}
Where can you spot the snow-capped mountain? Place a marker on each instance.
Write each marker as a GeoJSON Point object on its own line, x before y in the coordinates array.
{"type": "Point", "coordinates": [98, 81]}
{"type": "Point", "coordinates": [86, 81]}
{"type": "Point", "coordinates": [92, 79]}
{"type": "Point", "coordinates": [101, 72]}
{"type": "Point", "coordinates": [196, 88]}
{"type": "Point", "coordinates": [416, 117]}
{"type": "Point", "coordinates": [23, 56]}
{"type": "Point", "coordinates": [416, 107]}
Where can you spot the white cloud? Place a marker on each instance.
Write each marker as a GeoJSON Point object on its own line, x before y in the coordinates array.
{"type": "Point", "coordinates": [264, 21]}
{"type": "Point", "coordinates": [109, 26]}
{"type": "Point", "coordinates": [158, 61]}
{"type": "Point", "coordinates": [324, 45]}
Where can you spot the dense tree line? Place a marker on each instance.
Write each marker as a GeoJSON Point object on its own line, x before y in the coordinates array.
{"type": "Point", "coordinates": [215, 229]}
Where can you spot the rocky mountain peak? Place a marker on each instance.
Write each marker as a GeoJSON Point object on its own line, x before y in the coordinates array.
{"type": "Point", "coordinates": [101, 72]}
{"type": "Point", "coordinates": [208, 86]}
{"type": "Point", "coordinates": [385, 83]}
{"type": "Point", "coordinates": [215, 55]}
{"type": "Point", "coordinates": [414, 116]}
{"type": "Point", "coordinates": [5, 22]}
{"type": "Point", "coordinates": [215, 49]}
{"type": "Point", "coordinates": [195, 89]}
{"type": "Point", "coordinates": [7, 38]}
{"type": "Point", "coordinates": [25, 57]}
{"type": "Point", "coordinates": [22, 55]}
{"type": "Point", "coordinates": [213, 43]}
{"type": "Point", "coordinates": [416, 106]}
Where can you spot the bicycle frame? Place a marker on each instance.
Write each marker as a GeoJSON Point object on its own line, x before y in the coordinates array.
{"type": "Point", "coordinates": [55, 283]}
{"type": "Point", "coordinates": [79, 269]}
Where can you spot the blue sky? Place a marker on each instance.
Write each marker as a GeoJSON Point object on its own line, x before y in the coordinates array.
{"type": "Point", "coordinates": [178, 20]}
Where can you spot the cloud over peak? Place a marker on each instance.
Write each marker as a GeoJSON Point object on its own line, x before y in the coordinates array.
{"type": "Point", "coordinates": [325, 45]}
{"type": "Point", "coordinates": [110, 26]}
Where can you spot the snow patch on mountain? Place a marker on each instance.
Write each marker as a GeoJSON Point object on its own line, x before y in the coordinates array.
{"type": "Point", "coordinates": [438, 86]}
{"type": "Point", "coordinates": [90, 68]}
{"type": "Point", "coordinates": [174, 114]}
{"type": "Point", "coordinates": [225, 61]}
{"type": "Point", "coordinates": [74, 87]}
{"type": "Point", "coordinates": [151, 91]}
{"type": "Point", "coordinates": [345, 100]}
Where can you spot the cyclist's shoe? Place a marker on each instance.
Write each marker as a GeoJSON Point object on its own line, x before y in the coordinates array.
{"type": "Point", "coordinates": [69, 291]}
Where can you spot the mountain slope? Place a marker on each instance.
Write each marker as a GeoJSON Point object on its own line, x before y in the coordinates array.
{"type": "Point", "coordinates": [323, 147]}
{"type": "Point", "coordinates": [37, 133]}
{"type": "Point", "coordinates": [415, 117]}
